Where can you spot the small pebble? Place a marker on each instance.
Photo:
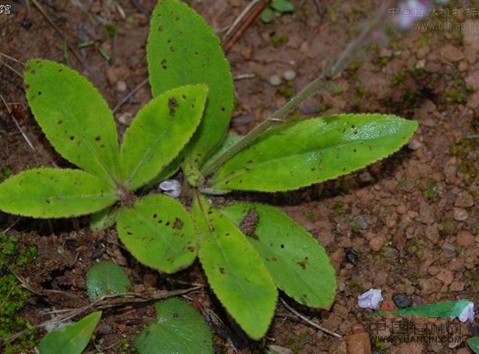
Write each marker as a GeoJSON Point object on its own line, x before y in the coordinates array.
{"type": "Point", "coordinates": [275, 80]}
{"type": "Point", "coordinates": [351, 256]}
{"type": "Point", "coordinates": [121, 86]}
{"type": "Point", "coordinates": [357, 328]}
{"type": "Point", "coordinates": [414, 144]}
{"type": "Point", "coordinates": [448, 248]}
{"type": "Point", "coordinates": [26, 24]}
{"type": "Point", "coordinates": [460, 214]}
{"type": "Point", "coordinates": [401, 300]}
{"type": "Point", "coordinates": [310, 109]}
{"type": "Point", "coordinates": [289, 75]}
{"type": "Point", "coordinates": [243, 120]}
{"type": "Point", "coordinates": [465, 239]}
{"type": "Point", "coordinates": [362, 222]}
{"type": "Point", "coordinates": [358, 343]}
{"type": "Point", "coordinates": [106, 329]}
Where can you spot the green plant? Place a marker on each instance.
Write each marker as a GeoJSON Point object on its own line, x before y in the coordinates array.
{"type": "Point", "coordinates": [276, 8]}
{"type": "Point", "coordinates": [12, 295]}
{"type": "Point", "coordinates": [247, 250]}
{"type": "Point", "coordinates": [473, 343]}
{"type": "Point", "coordinates": [71, 339]}
{"type": "Point", "coordinates": [179, 327]}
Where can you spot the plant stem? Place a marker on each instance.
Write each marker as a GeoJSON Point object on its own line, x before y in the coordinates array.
{"type": "Point", "coordinates": [321, 83]}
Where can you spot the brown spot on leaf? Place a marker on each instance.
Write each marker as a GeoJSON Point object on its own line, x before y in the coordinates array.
{"type": "Point", "coordinates": [172, 105]}
{"type": "Point", "coordinates": [178, 224]}
{"type": "Point", "coordinates": [222, 270]}
{"type": "Point", "coordinates": [249, 222]}
{"type": "Point", "coordinates": [164, 64]}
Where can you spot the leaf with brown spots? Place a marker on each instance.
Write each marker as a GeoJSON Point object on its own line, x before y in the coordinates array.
{"type": "Point", "coordinates": [312, 151]}
{"type": "Point", "coordinates": [235, 271]}
{"type": "Point", "coordinates": [159, 132]}
{"type": "Point", "coordinates": [298, 264]}
{"type": "Point", "coordinates": [151, 231]}
{"type": "Point", "coordinates": [55, 193]}
{"type": "Point", "coordinates": [179, 329]}
{"type": "Point", "coordinates": [183, 50]}
{"type": "Point", "coordinates": [74, 117]}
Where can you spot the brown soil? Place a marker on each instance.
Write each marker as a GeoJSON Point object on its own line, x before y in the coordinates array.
{"type": "Point", "coordinates": [411, 219]}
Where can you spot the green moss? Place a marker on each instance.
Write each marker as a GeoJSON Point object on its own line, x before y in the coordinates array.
{"type": "Point", "coordinates": [323, 107]}
{"type": "Point", "coordinates": [398, 78]}
{"type": "Point", "coordinates": [279, 40]}
{"type": "Point", "coordinates": [5, 172]}
{"type": "Point", "coordinates": [12, 294]}
{"type": "Point", "coordinates": [423, 40]}
{"type": "Point", "coordinates": [455, 95]}
{"type": "Point", "coordinates": [430, 192]}
{"type": "Point", "coordinates": [339, 206]}
{"type": "Point", "coordinates": [284, 91]}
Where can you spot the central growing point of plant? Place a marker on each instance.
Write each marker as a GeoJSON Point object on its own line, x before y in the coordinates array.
{"type": "Point", "coordinates": [247, 250]}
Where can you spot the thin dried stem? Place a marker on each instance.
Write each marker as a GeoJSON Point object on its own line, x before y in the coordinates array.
{"type": "Point", "coordinates": [128, 96]}
{"type": "Point", "coordinates": [18, 125]}
{"type": "Point", "coordinates": [322, 83]}
{"type": "Point", "coordinates": [60, 32]}
{"type": "Point", "coordinates": [308, 321]}
{"type": "Point", "coordinates": [12, 58]}
{"type": "Point", "coordinates": [107, 302]}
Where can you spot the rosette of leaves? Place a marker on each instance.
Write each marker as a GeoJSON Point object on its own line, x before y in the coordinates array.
{"type": "Point", "coordinates": [247, 250]}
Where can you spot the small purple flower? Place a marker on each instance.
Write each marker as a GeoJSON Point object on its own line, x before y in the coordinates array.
{"type": "Point", "coordinates": [370, 299]}
{"type": "Point", "coordinates": [467, 313]}
{"type": "Point", "coordinates": [411, 11]}
{"type": "Point", "coordinates": [171, 187]}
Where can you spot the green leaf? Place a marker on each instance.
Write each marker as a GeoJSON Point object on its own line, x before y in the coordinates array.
{"type": "Point", "coordinates": [74, 117]}
{"type": "Point", "coordinates": [282, 6]}
{"type": "Point", "coordinates": [158, 231]}
{"type": "Point", "coordinates": [179, 329]}
{"type": "Point", "coordinates": [72, 339]}
{"type": "Point", "coordinates": [159, 132]}
{"type": "Point", "coordinates": [298, 264]}
{"type": "Point", "coordinates": [474, 344]}
{"type": "Point", "coordinates": [267, 15]}
{"type": "Point", "coordinates": [105, 278]}
{"type": "Point", "coordinates": [312, 151]}
{"type": "Point", "coordinates": [182, 49]}
{"type": "Point", "coordinates": [105, 218]}
{"type": "Point", "coordinates": [235, 271]}
{"type": "Point", "coordinates": [55, 193]}
{"type": "Point", "coordinates": [230, 140]}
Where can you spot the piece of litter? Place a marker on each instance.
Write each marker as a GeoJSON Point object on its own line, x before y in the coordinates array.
{"type": "Point", "coordinates": [370, 299]}
{"type": "Point", "coordinates": [171, 187]}
{"type": "Point", "coordinates": [461, 309]}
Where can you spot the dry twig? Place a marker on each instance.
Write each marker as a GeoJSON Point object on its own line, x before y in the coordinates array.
{"type": "Point", "coordinates": [18, 125]}
{"type": "Point", "coordinates": [124, 300]}
{"type": "Point", "coordinates": [308, 321]}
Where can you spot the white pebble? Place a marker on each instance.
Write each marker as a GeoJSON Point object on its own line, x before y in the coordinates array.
{"type": "Point", "coordinates": [289, 75]}
{"type": "Point", "coordinates": [275, 80]}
